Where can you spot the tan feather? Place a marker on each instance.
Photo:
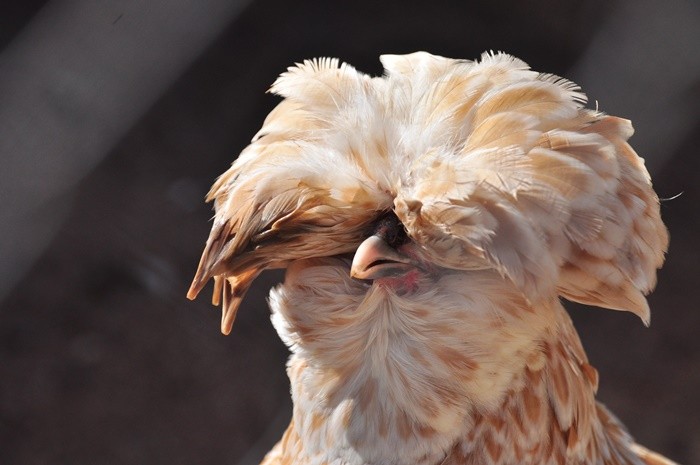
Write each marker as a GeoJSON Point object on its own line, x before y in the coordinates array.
{"type": "Point", "coordinates": [274, 206]}
{"type": "Point", "coordinates": [473, 195]}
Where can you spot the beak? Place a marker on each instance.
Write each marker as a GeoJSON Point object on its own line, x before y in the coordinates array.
{"type": "Point", "coordinates": [374, 259]}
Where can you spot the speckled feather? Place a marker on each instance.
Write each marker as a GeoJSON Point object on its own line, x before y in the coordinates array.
{"type": "Point", "coordinates": [511, 193]}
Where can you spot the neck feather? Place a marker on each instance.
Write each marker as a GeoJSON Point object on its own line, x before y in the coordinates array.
{"type": "Point", "coordinates": [378, 379]}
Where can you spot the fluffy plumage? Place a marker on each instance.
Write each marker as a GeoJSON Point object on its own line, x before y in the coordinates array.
{"type": "Point", "coordinates": [468, 196]}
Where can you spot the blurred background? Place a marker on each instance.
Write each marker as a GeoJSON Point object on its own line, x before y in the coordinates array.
{"type": "Point", "coordinates": [116, 117]}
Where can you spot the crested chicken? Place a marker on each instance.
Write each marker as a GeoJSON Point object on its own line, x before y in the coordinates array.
{"type": "Point", "coordinates": [429, 220]}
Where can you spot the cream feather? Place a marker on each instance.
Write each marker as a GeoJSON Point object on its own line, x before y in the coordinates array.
{"type": "Point", "coordinates": [511, 193]}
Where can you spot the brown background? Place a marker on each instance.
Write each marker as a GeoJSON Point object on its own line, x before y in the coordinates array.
{"type": "Point", "coordinates": [103, 360]}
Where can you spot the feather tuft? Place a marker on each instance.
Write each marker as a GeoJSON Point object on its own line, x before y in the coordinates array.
{"type": "Point", "coordinates": [456, 349]}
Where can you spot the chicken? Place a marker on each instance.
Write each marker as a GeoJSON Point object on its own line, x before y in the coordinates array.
{"type": "Point", "coordinates": [428, 221]}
